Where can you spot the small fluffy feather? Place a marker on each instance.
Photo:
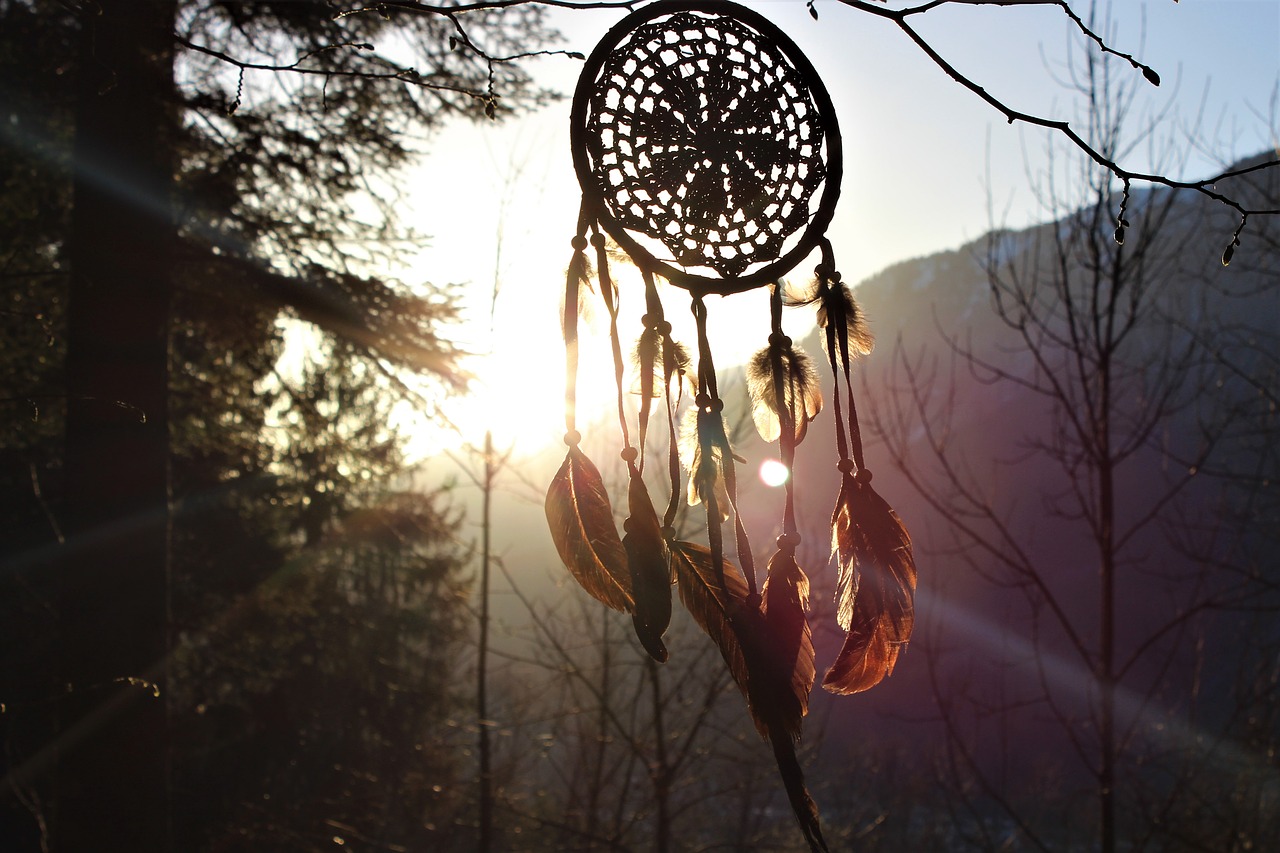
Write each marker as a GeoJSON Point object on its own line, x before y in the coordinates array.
{"type": "Point", "coordinates": [839, 305]}
{"type": "Point", "coordinates": [801, 391]}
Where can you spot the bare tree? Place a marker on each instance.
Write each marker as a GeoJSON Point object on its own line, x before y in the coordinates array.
{"type": "Point", "coordinates": [1069, 510]}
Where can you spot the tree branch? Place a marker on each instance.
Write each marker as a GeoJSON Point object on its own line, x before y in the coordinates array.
{"type": "Point", "coordinates": [1205, 187]}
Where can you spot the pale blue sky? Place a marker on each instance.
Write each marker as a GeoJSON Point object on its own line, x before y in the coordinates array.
{"type": "Point", "coordinates": [921, 152]}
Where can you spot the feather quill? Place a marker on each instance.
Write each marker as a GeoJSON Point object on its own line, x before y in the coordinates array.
{"type": "Point", "coordinates": [806, 810]}
{"type": "Point", "coordinates": [648, 560]}
{"type": "Point", "coordinates": [582, 527]}
{"type": "Point", "coordinates": [875, 597]}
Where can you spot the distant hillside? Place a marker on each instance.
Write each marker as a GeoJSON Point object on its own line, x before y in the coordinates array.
{"type": "Point", "coordinates": [929, 312]}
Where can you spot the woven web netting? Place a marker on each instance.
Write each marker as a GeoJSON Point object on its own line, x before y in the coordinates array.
{"type": "Point", "coordinates": [704, 138]}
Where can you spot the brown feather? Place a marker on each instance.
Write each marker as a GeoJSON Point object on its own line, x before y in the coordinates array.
{"type": "Point", "coordinates": [582, 527]}
{"type": "Point", "coordinates": [684, 374]}
{"type": "Point", "coordinates": [579, 272]}
{"type": "Point", "coordinates": [780, 662]}
{"type": "Point", "coordinates": [797, 295]}
{"type": "Point", "coordinates": [712, 597]}
{"type": "Point", "coordinates": [646, 363]}
{"type": "Point", "coordinates": [783, 603]}
{"type": "Point", "coordinates": [875, 588]}
{"type": "Point", "coordinates": [650, 573]}
{"type": "Point", "coordinates": [767, 666]}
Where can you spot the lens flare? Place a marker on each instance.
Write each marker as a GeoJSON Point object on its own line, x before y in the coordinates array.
{"type": "Point", "coordinates": [773, 473]}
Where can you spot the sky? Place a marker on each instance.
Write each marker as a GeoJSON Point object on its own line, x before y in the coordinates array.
{"type": "Point", "coordinates": [928, 167]}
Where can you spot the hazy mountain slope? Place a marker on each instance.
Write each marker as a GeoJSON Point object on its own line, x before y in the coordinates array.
{"type": "Point", "coordinates": [926, 312]}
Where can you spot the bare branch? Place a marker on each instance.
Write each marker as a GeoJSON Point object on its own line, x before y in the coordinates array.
{"type": "Point", "coordinates": [1206, 186]}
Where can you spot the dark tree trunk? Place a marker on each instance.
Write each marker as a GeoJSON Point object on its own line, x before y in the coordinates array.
{"type": "Point", "coordinates": [112, 757]}
{"type": "Point", "coordinates": [482, 659]}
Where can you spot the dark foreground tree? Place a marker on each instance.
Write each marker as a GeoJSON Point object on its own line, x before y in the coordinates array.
{"type": "Point", "coordinates": [112, 594]}
{"type": "Point", "coordinates": [163, 215]}
{"type": "Point", "coordinates": [311, 704]}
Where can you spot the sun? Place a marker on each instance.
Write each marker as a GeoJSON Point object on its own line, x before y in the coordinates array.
{"type": "Point", "coordinates": [517, 391]}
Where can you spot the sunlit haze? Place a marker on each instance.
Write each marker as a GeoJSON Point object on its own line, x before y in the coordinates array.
{"type": "Point", "coordinates": [928, 166]}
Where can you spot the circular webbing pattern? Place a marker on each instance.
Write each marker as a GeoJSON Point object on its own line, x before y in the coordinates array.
{"type": "Point", "coordinates": [701, 133]}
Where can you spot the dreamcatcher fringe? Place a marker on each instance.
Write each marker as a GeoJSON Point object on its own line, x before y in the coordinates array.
{"type": "Point", "coordinates": [578, 509]}
{"type": "Point", "coordinates": [575, 279]}
{"type": "Point", "coordinates": [876, 581]}
{"type": "Point", "coordinates": [609, 292]}
{"type": "Point", "coordinates": [767, 629]}
{"type": "Point", "coordinates": [713, 465]}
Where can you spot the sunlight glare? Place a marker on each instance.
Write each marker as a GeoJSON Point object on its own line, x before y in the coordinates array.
{"type": "Point", "coordinates": [773, 473]}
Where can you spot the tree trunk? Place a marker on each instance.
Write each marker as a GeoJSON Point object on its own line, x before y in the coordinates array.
{"type": "Point", "coordinates": [482, 659]}
{"type": "Point", "coordinates": [1105, 464]}
{"type": "Point", "coordinates": [112, 785]}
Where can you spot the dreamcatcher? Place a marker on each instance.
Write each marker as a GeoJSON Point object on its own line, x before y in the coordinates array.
{"type": "Point", "coordinates": [708, 151]}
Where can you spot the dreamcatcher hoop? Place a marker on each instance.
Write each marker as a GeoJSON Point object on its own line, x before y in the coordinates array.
{"type": "Point", "coordinates": [699, 127]}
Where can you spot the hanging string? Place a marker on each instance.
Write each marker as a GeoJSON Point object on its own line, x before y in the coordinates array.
{"type": "Point", "coordinates": [706, 367]}
{"type": "Point", "coordinates": [610, 294]}
{"type": "Point", "coordinates": [670, 369]}
{"type": "Point", "coordinates": [706, 384]}
{"type": "Point", "coordinates": [712, 436]}
{"type": "Point", "coordinates": [655, 338]}
{"type": "Point", "coordinates": [838, 309]}
{"type": "Point", "coordinates": [786, 394]}
{"type": "Point", "coordinates": [574, 277]}
{"type": "Point", "coordinates": [855, 432]}
{"type": "Point", "coordinates": [842, 443]}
